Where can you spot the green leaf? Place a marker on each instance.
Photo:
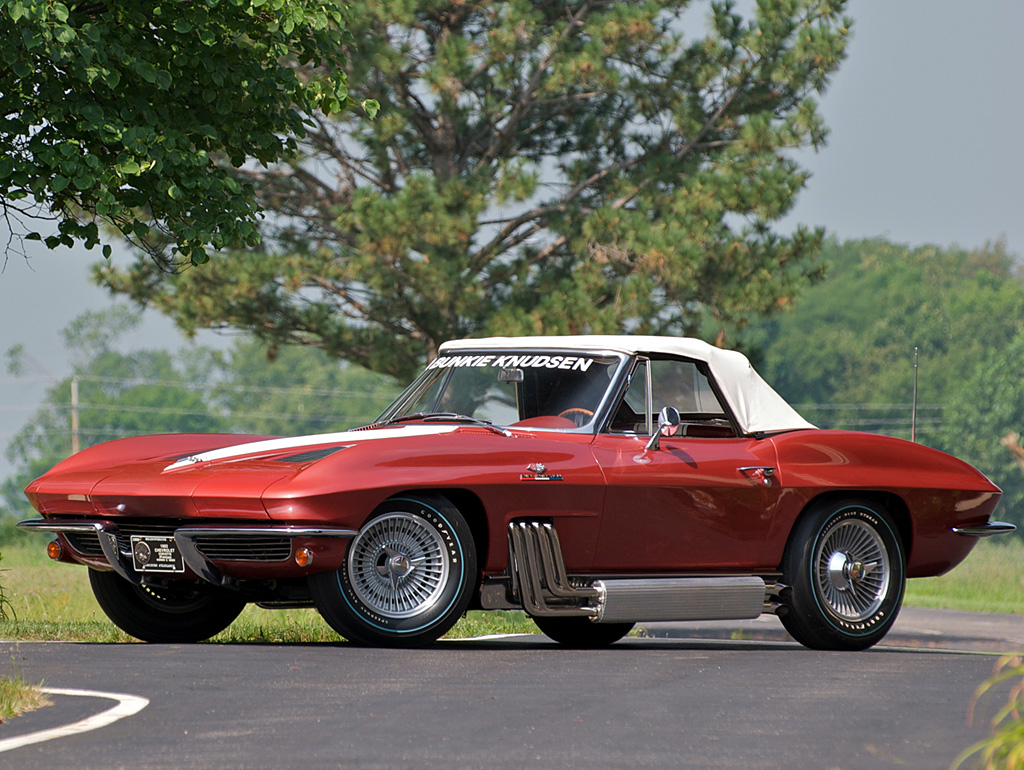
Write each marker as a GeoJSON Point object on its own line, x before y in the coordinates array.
{"type": "Point", "coordinates": [112, 78]}
{"type": "Point", "coordinates": [145, 70]}
{"type": "Point", "coordinates": [92, 113]}
{"type": "Point", "coordinates": [371, 107]}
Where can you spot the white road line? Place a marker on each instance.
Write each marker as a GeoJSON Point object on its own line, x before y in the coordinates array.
{"type": "Point", "coordinates": [126, 706]}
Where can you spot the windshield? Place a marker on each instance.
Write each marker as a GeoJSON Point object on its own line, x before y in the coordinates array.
{"type": "Point", "coordinates": [553, 390]}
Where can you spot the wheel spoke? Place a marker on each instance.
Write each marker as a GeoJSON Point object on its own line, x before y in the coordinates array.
{"type": "Point", "coordinates": [852, 570]}
{"type": "Point", "coordinates": [398, 565]}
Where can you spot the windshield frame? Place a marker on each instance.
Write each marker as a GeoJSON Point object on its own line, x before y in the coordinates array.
{"type": "Point", "coordinates": [621, 363]}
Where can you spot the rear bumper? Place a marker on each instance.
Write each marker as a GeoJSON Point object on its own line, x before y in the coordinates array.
{"type": "Point", "coordinates": [987, 529]}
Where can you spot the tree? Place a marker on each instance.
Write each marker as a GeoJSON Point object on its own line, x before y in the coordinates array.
{"type": "Point", "coordinates": [120, 394]}
{"type": "Point", "coordinates": [295, 391]}
{"type": "Point", "coordinates": [850, 340]}
{"type": "Point", "coordinates": [547, 166]}
{"type": "Point", "coordinates": [196, 389]}
{"type": "Point", "coordinates": [139, 114]}
{"type": "Point", "coordinates": [984, 420]}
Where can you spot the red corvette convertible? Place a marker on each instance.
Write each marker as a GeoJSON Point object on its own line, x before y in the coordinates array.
{"type": "Point", "coordinates": [593, 482]}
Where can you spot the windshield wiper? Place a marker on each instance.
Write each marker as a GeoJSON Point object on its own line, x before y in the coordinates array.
{"type": "Point", "coordinates": [445, 417]}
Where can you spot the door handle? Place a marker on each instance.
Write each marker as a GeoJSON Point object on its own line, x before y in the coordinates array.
{"type": "Point", "coordinates": [761, 473]}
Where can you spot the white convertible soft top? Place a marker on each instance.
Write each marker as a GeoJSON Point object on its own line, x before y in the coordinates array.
{"type": "Point", "coordinates": [757, 407]}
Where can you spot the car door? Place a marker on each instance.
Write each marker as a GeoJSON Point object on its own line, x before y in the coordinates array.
{"type": "Point", "coordinates": [702, 500]}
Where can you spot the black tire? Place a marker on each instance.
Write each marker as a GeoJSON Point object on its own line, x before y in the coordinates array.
{"type": "Point", "coordinates": [190, 613]}
{"type": "Point", "coordinates": [846, 571]}
{"type": "Point", "coordinates": [408, 575]}
{"type": "Point", "coordinates": [582, 633]}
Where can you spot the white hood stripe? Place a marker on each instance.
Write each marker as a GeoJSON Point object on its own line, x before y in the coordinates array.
{"type": "Point", "coordinates": [298, 442]}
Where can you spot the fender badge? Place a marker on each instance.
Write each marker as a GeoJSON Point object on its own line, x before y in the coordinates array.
{"type": "Point", "coordinates": [540, 477]}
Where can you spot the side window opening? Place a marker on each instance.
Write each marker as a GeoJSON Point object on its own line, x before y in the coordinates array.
{"type": "Point", "coordinates": [677, 383]}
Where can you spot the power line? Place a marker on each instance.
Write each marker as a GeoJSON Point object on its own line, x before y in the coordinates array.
{"type": "Point", "coordinates": [379, 388]}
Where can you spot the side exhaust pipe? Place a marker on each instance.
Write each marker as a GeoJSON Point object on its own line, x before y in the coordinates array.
{"type": "Point", "coordinates": [540, 583]}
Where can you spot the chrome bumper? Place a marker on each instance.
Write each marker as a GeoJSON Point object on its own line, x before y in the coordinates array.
{"type": "Point", "coordinates": [185, 538]}
{"type": "Point", "coordinates": [987, 529]}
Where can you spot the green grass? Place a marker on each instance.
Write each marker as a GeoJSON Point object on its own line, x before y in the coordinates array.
{"type": "Point", "coordinates": [991, 579]}
{"type": "Point", "coordinates": [51, 601]}
{"type": "Point", "coordinates": [18, 697]}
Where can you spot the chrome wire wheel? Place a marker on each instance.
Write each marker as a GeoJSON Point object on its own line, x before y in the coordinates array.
{"type": "Point", "coordinates": [852, 570]}
{"type": "Point", "coordinates": [844, 572]}
{"type": "Point", "coordinates": [408, 577]}
{"type": "Point", "coordinates": [398, 565]}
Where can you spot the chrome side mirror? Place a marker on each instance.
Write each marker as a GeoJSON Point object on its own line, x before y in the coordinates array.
{"type": "Point", "coordinates": [668, 424]}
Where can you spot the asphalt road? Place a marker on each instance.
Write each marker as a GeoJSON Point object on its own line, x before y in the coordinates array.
{"type": "Point", "coordinates": [521, 703]}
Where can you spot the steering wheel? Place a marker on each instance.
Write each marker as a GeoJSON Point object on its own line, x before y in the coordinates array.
{"type": "Point", "coordinates": [578, 415]}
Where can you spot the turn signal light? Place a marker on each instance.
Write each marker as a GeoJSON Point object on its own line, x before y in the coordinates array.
{"type": "Point", "coordinates": [54, 550]}
{"type": "Point", "coordinates": [303, 557]}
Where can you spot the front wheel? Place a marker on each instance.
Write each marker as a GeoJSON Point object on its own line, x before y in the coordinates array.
{"type": "Point", "coordinates": [177, 614]}
{"type": "Point", "coordinates": [407, 578]}
{"type": "Point", "coordinates": [845, 567]}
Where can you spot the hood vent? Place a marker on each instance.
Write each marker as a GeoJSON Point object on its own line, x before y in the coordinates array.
{"type": "Point", "coordinates": [311, 456]}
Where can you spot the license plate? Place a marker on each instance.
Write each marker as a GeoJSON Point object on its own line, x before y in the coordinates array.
{"type": "Point", "coordinates": [156, 554]}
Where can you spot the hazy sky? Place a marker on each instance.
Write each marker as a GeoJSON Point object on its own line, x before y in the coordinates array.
{"type": "Point", "coordinates": [924, 115]}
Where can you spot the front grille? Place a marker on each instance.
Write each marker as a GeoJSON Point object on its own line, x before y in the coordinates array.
{"type": "Point", "coordinates": [125, 532]}
{"type": "Point", "coordinates": [241, 548]}
{"type": "Point", "coordinates": [88, 543]}
{"type": "Point", "coordinates": [85, 543]}
{"type": "Point", "coordinates": [234, 547]}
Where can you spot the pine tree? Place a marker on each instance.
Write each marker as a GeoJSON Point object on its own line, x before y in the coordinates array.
{"type": "Point", "coordinates": [536, 167]}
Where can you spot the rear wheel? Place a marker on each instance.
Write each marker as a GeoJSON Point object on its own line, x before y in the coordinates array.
{"type": "Point", "coordinates": [408, 577]}
{"type": "Point", "coordinates": [582, 633]}
{"type": "Point", "coordinates": [189, 613]}
{"type": "Point", "coordinates": [845, 567]}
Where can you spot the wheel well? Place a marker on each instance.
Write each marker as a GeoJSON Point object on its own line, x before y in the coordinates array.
{"type": "Point", "coordinates": [472, 509]}
{"type": "Point", "coordinates": [894, 504]}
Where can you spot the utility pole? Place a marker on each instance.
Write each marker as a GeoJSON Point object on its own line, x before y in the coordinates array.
{"type": "Point", "coordinates": [913, 406]}
{"type": "Point", "coordinates": [74, 414]}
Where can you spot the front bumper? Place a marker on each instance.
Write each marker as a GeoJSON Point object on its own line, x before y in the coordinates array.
{"type": "Point", "coordinates": [220, 554]}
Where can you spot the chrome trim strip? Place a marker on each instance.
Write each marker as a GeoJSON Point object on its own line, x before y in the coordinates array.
{"type": "Point", "coordinates": [47, 525]}
{"type": "Point", "coordinates": [285, 531]}
{"type": "Point", "coordinates": [987, 529]}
